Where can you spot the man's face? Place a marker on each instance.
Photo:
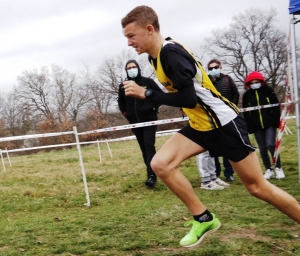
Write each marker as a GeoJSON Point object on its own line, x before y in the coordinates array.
{"type": "Point", "coordinates": [137, 37]}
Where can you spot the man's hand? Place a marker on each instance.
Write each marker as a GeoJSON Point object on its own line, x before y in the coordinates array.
{"type": "Point", "coordinates": [134, 90]}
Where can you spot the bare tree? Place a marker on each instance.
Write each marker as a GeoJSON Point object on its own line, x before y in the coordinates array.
{"type": "Point", "coordinates": [96, 103]}
{"type": "Point", "coordinates": [63, 85]}
{"type": "Point", "coordinates": [15, 119]}
{"type": "Point", "coordinates": [98, 97]}
{"type": "Point", "coordinates": [251, 43]}
{"type": "Point", "coordinates": [34, 91]}
{"type": "Point", "coordinates": [111, 73]}
{"type": "Point", "coordinates": [70, 97]}
{"type": "Point", "coordinates": [11, 112]}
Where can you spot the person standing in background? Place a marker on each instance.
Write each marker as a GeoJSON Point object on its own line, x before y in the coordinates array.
{"type": "Point", "coordinates": [136, 111]}
{"type": "Point", "coordinates": [226, 86]}
{"type": "Point", "coordinates": [263, 122]}
{"type": "Point", "coordinates": [207, 171]}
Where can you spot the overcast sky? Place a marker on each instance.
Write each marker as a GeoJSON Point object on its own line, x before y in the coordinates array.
{"type": "Point", "coordinates": [68, 33]}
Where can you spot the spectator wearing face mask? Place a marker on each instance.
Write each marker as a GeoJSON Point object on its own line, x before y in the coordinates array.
{"type": "Point", "coordinates": [209, 167]}
{"type": "Point", "coordinates": [226, 86]}
{"type": "Point", "coordinates": [137, 111]}
{"type": "Point", "coordinates": [263, 122]}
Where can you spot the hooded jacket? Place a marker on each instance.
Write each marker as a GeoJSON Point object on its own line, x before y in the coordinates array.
{"type": "Point", "coordinates": [138, 110]}
{"type": "Point", "coordinates": [260, 119]}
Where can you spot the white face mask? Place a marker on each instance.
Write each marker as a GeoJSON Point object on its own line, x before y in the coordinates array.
{"type": "Point", "coordinates": [255, 86]}
{"type": "Point", "coordinates": [214, 72]}
{"type": "Point", "coordinates": [133, 72]}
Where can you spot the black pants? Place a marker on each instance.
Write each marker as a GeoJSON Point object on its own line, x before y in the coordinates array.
{"type": "Point", "coordinates": [146, 139]}
{"type": "Point", "coordinates": [228, 168]}
{"type": "Point", "coordinates": [266, 140]}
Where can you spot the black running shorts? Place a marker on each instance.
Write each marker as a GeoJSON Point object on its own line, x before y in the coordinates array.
{"type": "Point", "coordinates": [231, 140]}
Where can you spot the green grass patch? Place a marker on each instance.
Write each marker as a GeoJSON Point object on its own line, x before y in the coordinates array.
{"type": "Point", "coordinates": [43, 212]}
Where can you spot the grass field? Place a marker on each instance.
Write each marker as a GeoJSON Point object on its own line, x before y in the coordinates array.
{"type": "Point", "coordinates": [43, 212]}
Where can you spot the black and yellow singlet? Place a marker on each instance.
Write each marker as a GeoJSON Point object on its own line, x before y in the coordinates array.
{"type": "Point", "coordinates": [175, 67]}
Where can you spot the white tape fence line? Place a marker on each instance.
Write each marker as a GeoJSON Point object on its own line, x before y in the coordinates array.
{"type": "Point", "coordinates": [122, 127]}
{"type": "Point", "coordinates": [77, 144]}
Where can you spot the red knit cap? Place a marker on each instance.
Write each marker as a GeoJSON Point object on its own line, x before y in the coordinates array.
{"type": "Point", "coordinates": [255, 75]}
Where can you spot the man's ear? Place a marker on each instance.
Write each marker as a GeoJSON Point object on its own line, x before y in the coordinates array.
{"type": "Point", "coordinates": [150, 29]}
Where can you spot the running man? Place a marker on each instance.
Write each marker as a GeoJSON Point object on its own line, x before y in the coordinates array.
{"type": "Point", "coordinates": [214, 124]}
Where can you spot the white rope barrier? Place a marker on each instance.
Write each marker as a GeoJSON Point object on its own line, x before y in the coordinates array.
{"type": "Point", "coordinates": [174, 120]}
{"type": "Point", "coordinates": [290, 117]}
{"type": "Point", "coordinates": [34, 136]}
{"type": "Point", "coordinates": [121, 127]}
{"type": "Point", "coordinates": [269, 106]}
{"type": "Point", "coordinates": [130, 126]}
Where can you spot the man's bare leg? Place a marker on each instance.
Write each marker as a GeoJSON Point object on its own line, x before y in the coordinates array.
{"type": "Point", "coordinates": [250, 172]}
{"type": "Point", "coordinates": [165, 164]}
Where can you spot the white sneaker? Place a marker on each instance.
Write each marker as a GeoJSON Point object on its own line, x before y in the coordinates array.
{"type": "Point", "coordinates": [211, 186]}
{"type": "Point", "coordinates": [222, 183]}
{"type": "Point", "coordinates": [279, 173]}
{"type": "Point", "coordinates": [268, 174]}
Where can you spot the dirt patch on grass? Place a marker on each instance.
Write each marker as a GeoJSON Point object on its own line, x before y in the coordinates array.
{"type": "Point", "coordinates": [246, 233]}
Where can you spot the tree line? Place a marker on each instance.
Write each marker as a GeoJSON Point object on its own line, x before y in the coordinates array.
{"type": "Point", "coordinates": [54, 99]}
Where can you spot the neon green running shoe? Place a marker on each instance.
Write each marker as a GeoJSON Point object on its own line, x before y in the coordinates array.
{"type": "Point", "coordinates": [199, 231]}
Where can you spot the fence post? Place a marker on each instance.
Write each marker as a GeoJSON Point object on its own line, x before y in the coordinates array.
{"type": "Point", "coordinates": [82, 167]}
{"type": "Point", "coordinates": [109, 149]}
{"type": "Point", "coordinates": [8, 158]}
{"type": "Point", "coordinates": [99, 151]}
{"type": "Point", "coordinates": [2, 160]}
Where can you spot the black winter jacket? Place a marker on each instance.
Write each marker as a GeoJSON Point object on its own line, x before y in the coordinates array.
{"type": "Point", "coordinates": [138, 110]}
{"type": "Point", "coordinates": [261, 118]}
{"type": "Point", "coordinates": [227, 88]}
